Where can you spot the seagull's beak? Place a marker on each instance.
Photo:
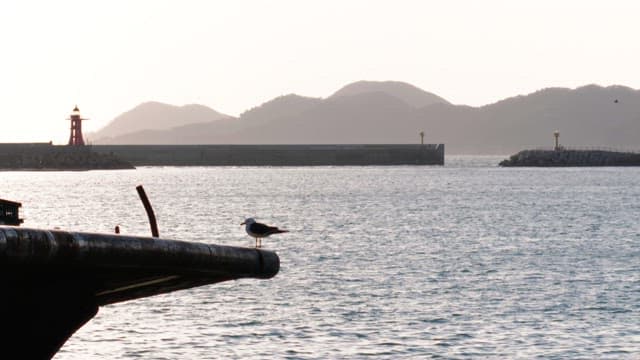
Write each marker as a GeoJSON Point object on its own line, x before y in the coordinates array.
{"type": "Point", "coordinates": [244, 222]}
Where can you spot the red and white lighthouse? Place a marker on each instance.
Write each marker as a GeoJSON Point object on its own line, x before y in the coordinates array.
{"type": "Point", "coordinates": [75, 138]}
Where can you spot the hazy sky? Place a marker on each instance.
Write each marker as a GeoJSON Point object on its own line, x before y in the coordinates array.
{"type": "Point", "coordinates": [109, 56]}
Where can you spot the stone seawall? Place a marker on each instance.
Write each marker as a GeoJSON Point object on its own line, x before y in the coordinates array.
{"type": "Point", "coordinates": [572, 158]}
{"type": "Point", "coordinates": [276, 155]}
{"type": "Point", "coordinates": [45, 156]}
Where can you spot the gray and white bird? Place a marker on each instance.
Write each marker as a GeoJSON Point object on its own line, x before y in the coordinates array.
{"type": "Point", "coordinates": [258, 230]}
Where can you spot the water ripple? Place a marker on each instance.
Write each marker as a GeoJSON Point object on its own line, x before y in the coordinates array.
{"type": "Point", "coordinates": [456, 262]}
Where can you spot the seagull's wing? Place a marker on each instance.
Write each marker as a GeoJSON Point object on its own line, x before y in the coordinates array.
{"type": "Point", "coordinates": [258, 228]}
{"type": "Point", "coordinates": [278, 231]}
{"type": "Point", "coordinates": [275, 230]}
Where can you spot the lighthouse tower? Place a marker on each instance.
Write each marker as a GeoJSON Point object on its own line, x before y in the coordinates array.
{"type": "Point", "coordinates": [75, 138]}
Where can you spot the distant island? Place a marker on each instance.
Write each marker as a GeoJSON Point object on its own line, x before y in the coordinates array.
{"type": "Point", "coordinates": [391, 112]}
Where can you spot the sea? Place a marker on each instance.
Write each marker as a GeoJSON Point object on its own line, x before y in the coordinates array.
{"type": "Point", "coordinates": [462, 261]}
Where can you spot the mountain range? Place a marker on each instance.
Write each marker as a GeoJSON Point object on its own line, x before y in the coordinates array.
{"type": "Point", "coordinates": [396, 112]}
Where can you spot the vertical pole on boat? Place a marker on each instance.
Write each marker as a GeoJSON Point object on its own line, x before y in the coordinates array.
{"type": "Point", "coordinates": [149, 210]}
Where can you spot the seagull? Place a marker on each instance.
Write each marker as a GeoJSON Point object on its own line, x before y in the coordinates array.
{"type": "Point", "coordinates": [259, 231]}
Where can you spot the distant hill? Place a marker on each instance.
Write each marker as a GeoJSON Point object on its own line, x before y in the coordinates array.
{"type": "Point", "coordinates": [282, 106]}
{"type": "Point", "coordinates": [588, 116]}
{"type": "Point", "coordinates": [155, 116]}
{"type": "Point", "coordinates": [406, 92]}
{"type": "Point", "coordinates": [368, 112]}
{"type": "Point", "coordinates": [364, 118]}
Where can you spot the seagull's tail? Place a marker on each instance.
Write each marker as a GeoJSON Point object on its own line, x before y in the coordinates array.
{"type": "Point", "coordinates": [280, 231]}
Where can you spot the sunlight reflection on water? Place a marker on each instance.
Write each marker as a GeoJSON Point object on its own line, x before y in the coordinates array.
{"type": "Point", "coordinates": [467, 260]}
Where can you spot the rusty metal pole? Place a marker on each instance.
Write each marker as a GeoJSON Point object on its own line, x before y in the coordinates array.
{"type": "Point", "coordinates": [149, 210]}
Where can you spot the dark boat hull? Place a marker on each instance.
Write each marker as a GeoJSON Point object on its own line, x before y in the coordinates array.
{"type": "Point", "coordinates": [54, 281]}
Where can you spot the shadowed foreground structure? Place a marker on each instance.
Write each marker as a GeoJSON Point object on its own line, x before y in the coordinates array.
{"type": "Point", "coordinates": [54, 281]}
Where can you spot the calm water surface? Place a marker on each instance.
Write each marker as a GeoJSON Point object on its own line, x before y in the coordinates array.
{"type": "Point", "coordinates": [463, 261]}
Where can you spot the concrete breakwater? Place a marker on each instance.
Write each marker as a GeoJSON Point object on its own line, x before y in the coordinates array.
{"type": "Point", "coordinates": [563, 157]}
{"type": "Point", "coordinates": [45, 156]}
{"type": "Point", "coordinates": [276, 155]}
